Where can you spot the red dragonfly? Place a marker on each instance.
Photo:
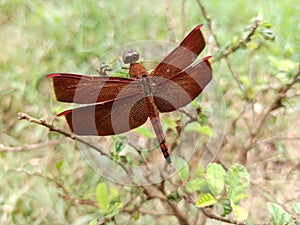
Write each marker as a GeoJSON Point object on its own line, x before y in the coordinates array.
{"type": "Point", "coordinates": [120, 104]}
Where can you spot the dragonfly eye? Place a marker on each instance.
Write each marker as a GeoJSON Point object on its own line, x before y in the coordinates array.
{"type": "Point", "coordinates": [130, 56]}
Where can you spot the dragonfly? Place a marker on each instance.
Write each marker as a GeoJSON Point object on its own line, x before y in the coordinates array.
{"type": "Point", "coordinates": [120, 104]}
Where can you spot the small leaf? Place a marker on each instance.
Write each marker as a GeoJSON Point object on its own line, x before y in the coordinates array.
{"type": "Point", "coordinates": [182, 167]}
{"type": "Point", "coordinates": [203, 119]}
{"type": "Point", "coordinates": [59, 165]}
{"type": "Point", "coordinates": [240, 197]}
{"type": "Point", "coordinates": [93, 222]}
{"type": "Point", "coordinates": [174, 196]}
{"type": "Point", "coordinates": [144, 131]}
{"type": "Point", "coordinates": [205, 200]}
{"type": "Point", "coordinates": [205, 130]}
{"type": "Point", "coordinates": [102, 196]}
{"type": "Point", "coordinates": [246, 81]}
{"type": "Point", "coordinates": [136, 215]}
{"type": "Point", "coordinates": [215, 176]}
{"type": "Point", "coordinates": [240, 213]}
{"type": "Point", "coordinates": [296, 207]}
{"type": "Point", "coordinates": [266, 24]}
{"type": "Point", "coordinates": [237, 181]}
{"type": "Point", "coordinates": [226, 205]}
{"type": "Point", "coordinates": [196, 184]}
{"type": "Point", "coordinates": [193, 127]}
{"type": "Point", "coordinates": [113, 209]}
{"type": "Point", "coordinates": [170, 122]}
{"type": "Point", "coordinates": [119, 145]}
{"type": "Point", "coordinates": [278, 215]}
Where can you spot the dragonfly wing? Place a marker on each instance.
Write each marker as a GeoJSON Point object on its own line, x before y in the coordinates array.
{"type": "Point", "coordinates": [91, 89]}
{"type": "Point", "coordinates": [182, 56]}
{"type": "Point", "coordinates": [182, 88]}
{"type": "Point", "coordinates": [108, 118]}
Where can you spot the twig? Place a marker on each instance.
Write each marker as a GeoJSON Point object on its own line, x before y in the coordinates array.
{"type": "Point", "coordinates": [43, 122]}
{"type": "Point", "coordinates": [51, 127]}
{"type": "Point", "coordinates": [274, 105]}
{"type": "Point", "coordinates": [279, 138]}
{"type": "Point", "coordinates": [182, 218]}
{"type": "Point", "coordinates": [207, 212]}
{"type": "Point", "coordinates": [241, 43]}
{"type": "Point", "coordinates": [209, 23]}
{"type": "Point", "coordinates": [231, 49]}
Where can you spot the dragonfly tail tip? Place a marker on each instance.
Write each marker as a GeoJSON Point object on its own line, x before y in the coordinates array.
{"type": "Point", "coordinates": [168, 159]}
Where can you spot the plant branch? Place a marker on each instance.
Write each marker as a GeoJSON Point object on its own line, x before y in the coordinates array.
{"type": "Point", "coordinates": [274, 105]}
{"type": "Point", "coordinates": [209, 22]}
{"type": "Point", "coordinates": [51, 127]}
{"type": "Point", "coordinates": [240, 44]}
{"type": "Point", "coordinates": [208, 213]}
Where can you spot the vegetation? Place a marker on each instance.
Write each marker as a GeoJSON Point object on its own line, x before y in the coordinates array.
{"type": "Point", "coordinates": [244, 164]}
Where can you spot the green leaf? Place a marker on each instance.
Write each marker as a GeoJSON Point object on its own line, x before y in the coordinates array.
{"type": "Point", "coordinates": [237, 181]}
{"type": "Point", "coordinates": [113, 209]}
{"type": "Point", "coordinates": [182, 167]}
{"type": "Point", "coordinates": [246, 81]}
{"type": "Point", "coordinates": [205, 200]}
{"type": "Point", "coordinates": [240, 213]}
{"type": "Point", "coordinates": [136, 216]}
{"type": "Point", "coordinates": [59, 165]}
{"type": "Point", "coordinates": [203, 119]}
{"type": "Point", "coordinates": [215, 176]}
{"type": "Point", "coordinates": [240, 197]}
{"type": "Point", "coordinates": [278, 215]}
{"type": "Point", "coordinates": [144, 131]}
{"type": "Point", "coordinates": [196, 127]}
{"type": "Point", "coordinates": [119, 145]}
{"type": "Point", "coordinates": [205, 130]}
{"type": "Point", "coordinates": [93, 222]}
{"type": "Point", "coordinates": [196, 184]}
{"type": "Point", "coordinates": [170, 122]}
{"type": "Point", "coordinates": [226, 205]}
{"type": "Point", "coordinates": [266, 24]}
{"type": "Point", "coordinates": [193, 127]}
{"type": "Point", "coordinates": [102, 196]}
{"type": "Point", "coordinates": [296, 207]}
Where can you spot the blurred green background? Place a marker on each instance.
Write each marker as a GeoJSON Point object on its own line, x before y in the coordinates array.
{"type": "Point", "coordinates": [40, 37]}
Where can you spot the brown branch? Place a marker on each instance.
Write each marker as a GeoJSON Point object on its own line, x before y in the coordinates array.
{"type": "Point", "coordinates": [274, 105]}
{"type": "Point", "coordinates": [241, 43]}
{"type": "Point", "coordinates": [51, 127]}
{"type": "Point", "coordinates": [181, 217]}
{"type": "Point", "coordinates": [208, 213]}
{"type": "Point", "coordinates": [209, 22]}
{"type": "Point", "coordinates": [231, 49]}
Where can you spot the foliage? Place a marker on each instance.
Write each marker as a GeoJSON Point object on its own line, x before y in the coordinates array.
{"type": "Point", "coordinates": [255, 61]}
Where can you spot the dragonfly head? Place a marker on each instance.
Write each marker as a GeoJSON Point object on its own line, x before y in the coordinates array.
{"type": "Point", "coordinates": [130, 56]}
